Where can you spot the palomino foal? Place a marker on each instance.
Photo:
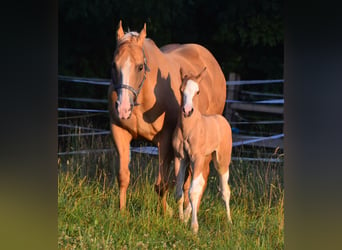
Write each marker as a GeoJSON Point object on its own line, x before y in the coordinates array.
{"type": "Point", "coordinates": [195, 137]}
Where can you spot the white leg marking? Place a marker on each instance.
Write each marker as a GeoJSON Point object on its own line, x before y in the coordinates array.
{"type": "Point", "coordinates": [226, 192]}
{"type": "Point", "coordinates": [196, 188]}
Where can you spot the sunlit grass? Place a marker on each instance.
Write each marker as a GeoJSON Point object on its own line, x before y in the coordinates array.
{"type": "Point", "coordinates": [88, 216]}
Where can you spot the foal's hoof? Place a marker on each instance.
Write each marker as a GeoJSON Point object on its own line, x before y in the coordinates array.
{"type": "Point", "coordinates": [187, 214]}
{"type": "Point", "coordinates": [194, 228]}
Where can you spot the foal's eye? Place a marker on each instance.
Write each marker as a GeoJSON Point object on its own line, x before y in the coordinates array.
{"type": "Point", "coordinates": [140, 67]}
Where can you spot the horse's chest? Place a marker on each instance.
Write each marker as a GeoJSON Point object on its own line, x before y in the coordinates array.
{"type": "Point", "coordinates": [148, 128]}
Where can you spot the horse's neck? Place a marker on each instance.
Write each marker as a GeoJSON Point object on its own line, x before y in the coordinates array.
{"type": "Point", "coordinates": [190, 123]}
{"type": "Point", "coordinates": [156, 59]}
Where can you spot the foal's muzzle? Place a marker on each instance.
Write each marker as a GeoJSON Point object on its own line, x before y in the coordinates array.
{"type": "Point", "coordinates": [187, 113]}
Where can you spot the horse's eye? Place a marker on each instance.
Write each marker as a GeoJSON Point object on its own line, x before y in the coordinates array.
{"type": "Point", "coordinates": [140, 67]}
{"type": "Point", "coordinates": [113, 65]}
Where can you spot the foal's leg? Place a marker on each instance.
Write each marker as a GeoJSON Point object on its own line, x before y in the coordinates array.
{"type": "Point", "coordinates": [186, 188]}
{"type": "Point", "coordinates": [222, 167]}
{"type": "Point", "coordinates": [180, 168]}
{"type": "Point", "coordinates": [122, 139]}
{"type": "Point", "coordinates": [196, 190]}
{"type": "Point", "coordinates": [226, 192]}
{"type": "Point", "coordinates": [205, 173]}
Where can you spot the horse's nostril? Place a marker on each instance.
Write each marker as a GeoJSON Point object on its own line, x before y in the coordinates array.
{"type": "Point", "coordinates": [183, 110]}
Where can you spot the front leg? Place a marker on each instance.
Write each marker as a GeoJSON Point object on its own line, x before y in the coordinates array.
{"type": "Point", "coordinates": [180, 167]}
{"type": "Point", "coordinates": [196, 189]}
{"type": "Point", "coordinates": [122, 139]}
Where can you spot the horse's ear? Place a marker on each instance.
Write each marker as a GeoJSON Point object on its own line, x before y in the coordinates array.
{"type": "Point", "coordinates": [119, 32]}
{"type": "Point", "coordinates": [142, 35]}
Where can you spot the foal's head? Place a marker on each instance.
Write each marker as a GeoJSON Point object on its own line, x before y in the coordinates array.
{"type": "Point", "coordinates": [189, 88]}
{"type": "Point", "coordinates": [128, 69]}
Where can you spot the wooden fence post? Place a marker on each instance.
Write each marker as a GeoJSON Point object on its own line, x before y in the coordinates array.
{"type": "Point", "coordinates": [232, 94]}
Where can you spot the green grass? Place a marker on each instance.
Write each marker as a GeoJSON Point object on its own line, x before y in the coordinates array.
{"type": "Point", "coordinates": [88, 216]}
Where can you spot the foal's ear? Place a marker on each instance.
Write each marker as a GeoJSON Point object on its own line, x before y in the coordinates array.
{"type": "Point", "coordinates": [181, 88]}
{"type": "Point", "coordinates": [181, 73]}
{"type": "Point", "coordinates": [142, 35]}
{"type": "Point", "coordinates": [183, 76]}
{"type": "Point", "coordinates": [199, 76]}
{"type": "Point", "coordinates": [119, 32]}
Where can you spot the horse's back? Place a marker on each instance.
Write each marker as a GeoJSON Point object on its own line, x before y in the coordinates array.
{"type": "Point", "coordinates": [193, 58]}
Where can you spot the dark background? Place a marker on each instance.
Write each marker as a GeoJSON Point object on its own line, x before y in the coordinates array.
{"type": "Point", "coordinates": [246, 37]}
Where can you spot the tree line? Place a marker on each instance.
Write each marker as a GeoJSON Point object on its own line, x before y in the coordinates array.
{"type": "Point", "coordinates": [245, 36]}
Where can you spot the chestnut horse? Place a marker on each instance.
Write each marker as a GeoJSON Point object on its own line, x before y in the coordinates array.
{"type": "Point", "coordinates": [144, 99]}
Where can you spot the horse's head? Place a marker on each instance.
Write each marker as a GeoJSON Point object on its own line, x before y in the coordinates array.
{"type": "Point", "coordinates": [189, 88]}
{"type": "Point", "coordinates": [128, 70]}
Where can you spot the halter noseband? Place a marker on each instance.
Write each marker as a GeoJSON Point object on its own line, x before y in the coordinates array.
{"type": "Point", "coordinates": [133, 90]}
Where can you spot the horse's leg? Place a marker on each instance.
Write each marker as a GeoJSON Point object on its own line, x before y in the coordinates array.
{"type": "Point", "coordinates": [164, 173]}
{"type": "Point", "coordinates": [180, 168]}
{"type": "Point", "coordinates": [196, 189]}
{"type": "Point", "coordinates": [122, 139]}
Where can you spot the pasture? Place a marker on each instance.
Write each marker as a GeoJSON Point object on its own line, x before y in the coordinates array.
{"type": "Point", "coordinates": [88, 215]}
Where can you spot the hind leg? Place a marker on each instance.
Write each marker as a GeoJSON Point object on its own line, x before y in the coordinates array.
{"type": "Point", "coordinates": [165, 175]}
{"type": "Point", "coordinates": [222, 167]}
{"type": "Point", "coordinates": [225, 189]}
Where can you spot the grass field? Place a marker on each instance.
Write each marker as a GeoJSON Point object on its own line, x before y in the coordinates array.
{"type": "Point", "coordinates": [88, 216]}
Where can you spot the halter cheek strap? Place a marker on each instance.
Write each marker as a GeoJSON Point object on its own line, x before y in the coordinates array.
{"type": "Point", "coordinates": [134, 91]}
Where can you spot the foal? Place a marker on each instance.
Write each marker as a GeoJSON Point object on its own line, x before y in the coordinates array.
{"type": "Point", "coordinates": [195, 137]}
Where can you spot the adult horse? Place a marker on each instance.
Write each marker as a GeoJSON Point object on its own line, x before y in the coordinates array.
{"type": "Point", "coordinates": [144, 99]}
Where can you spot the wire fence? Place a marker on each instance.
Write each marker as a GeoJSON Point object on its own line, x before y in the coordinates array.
{"type": "Point", "coordinates": [246, 140]}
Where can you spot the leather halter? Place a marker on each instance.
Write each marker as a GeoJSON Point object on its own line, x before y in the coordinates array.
{"type": "Point", "coordinates": [133, 90]}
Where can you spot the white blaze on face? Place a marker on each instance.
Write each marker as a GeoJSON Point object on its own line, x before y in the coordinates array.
{"type": "Point", "coordinates": [190, 90]}
{"type": "Point", "coordinates": [124, 104]}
